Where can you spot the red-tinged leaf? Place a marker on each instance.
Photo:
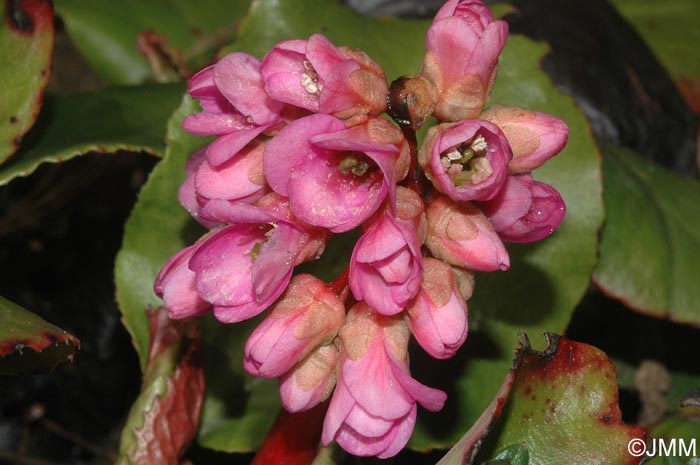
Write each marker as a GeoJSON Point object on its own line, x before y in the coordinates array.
{"type": "Point", "coordinates": [563, 408]}
{"type": "Point", "coordinates": [294, 438]}
{"type": "Point", "coordinates": [464, 452]}
{"type": "Point", "coordinates": [29, 344]}
{"type": "Point", "coordinates": [26, 43]}
{"type": "Point", "coordinates": [165, 417]}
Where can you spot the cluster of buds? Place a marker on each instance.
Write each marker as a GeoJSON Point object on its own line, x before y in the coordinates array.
{"type": "Point", "coordinates": [302, 153]}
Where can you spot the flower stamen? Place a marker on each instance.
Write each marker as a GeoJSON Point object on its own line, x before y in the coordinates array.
{"type": "Point", "coordinates": [309, 80]}
{"type": "Point", "coordinates": [467, 163]}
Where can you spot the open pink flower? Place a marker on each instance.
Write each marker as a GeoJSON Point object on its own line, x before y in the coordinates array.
{"type": "Point", "coordinates": [307, 315]}
{"type": "Point", "coordinates": [373, 409]}
{"type": "Point", "coordinates": [175, 284]}
{"type": "Point", "coordinates": [438, 315]}
{"type": "Point", "coordinates": [243, 268]}
{"type": "Point", "coordinates": [466, 160]}
{"type": "Point", "coordinates": [525, 210]}
{"type": "Point", "coordinates": [386, 264]}
{"type": "Point", "coordinates": [311, 381]}
{"type": "Point", "coordinates": [187, 194]}
{"type": "Point", "coordinates": [316, 75]}
{"type": "Point", "coordinates": [534, 137]}
{"type": "Point", "coordinates": [461, 235]}
{"type": "Point", "coordinates": [336, 177]}
{"type": "Point", "coordinates": [463, 44]}
{"type": "Point", "coordinates": [235, 106]}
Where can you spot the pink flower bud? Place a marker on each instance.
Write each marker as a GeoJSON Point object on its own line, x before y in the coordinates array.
{"type": "Point", "coordinates": [525, 210]}
{"type": "Point", "coordinates": [175, 284]}
{"type": "Point", "coordinates": [311, 381]}
{"type": "Point", "coordinates": [316, 75]}
{"type": "Point", "coordinates": [438, 315]}
{"type": "Point", "coordinates": [235, 106]}
{"type": "Point", "coordinates": [534, 137]}
{"type": "Point", "coordinates": [240, 179]}
{"type": "Point", "coordinates": [187, 194]}
{"type": "Point", "coordinates": [307, 315]}
{"type": "Point", "coordinates": [373, 409]}
{"type": "Point", "coordinates": [466, 160]}
{"type": "Point", "coordinates": [461, 235]}
{"type": "Point", "coordinates": [463, 47]}
{"type": "Point", "coordinates": [243, 268]}
{"type": "Point", "coordinates": [336, 177]}
{"type": "Point", "coordinates": [386, 264]}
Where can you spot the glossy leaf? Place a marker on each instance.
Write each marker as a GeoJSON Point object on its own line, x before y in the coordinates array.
{"type": "Point", "coordinates": [564, 408]}
{"type": "Point", "coordinates": [516, 454]}
{"type": "Point", "coordinates": [26, 43]}
{"type": "Point", "coordinates": [29, 344]}
{"type": "Point", "coordinates": [670, 29]}
{"type": "Point", "coordinates": [649, 246]}
{"type": "Point", "coordinates": [107, 121]}
{"type": "Point", "coordinates": [157, 228]}
{"type": "Point", "coordinates": [164, 418]}
{"type": "Point", "coordinates": [107, 32]}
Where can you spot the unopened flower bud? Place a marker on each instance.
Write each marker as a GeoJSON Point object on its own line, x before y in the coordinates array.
{"type": "Point", "coordinates": [175, 284]}
{"type": "Point", "coordinates": [412, 100]}
{"type": "Point", "coordinates": [460, 234]}
{"type": "Point", "coordinates": [308, 314]}
{"type": "Point", "coordinates": [534, 137]}
{"type": "Point", "coordinates": [311, 381]}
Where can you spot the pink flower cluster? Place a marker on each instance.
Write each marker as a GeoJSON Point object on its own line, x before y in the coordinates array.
{"type": "Point", "coordinates": [302, 153]}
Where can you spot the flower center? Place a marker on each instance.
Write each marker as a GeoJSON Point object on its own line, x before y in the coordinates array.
{"type": "Point", "coordinates": [355, 164]}
{"type": "Point", "coordinates": [257, 247]}
{"type": "Point", "coordinates": [309, 80]}
{"type": "Point", "coordinates": [467, 163]}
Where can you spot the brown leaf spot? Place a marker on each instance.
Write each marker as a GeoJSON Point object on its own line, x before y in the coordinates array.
{"type": "Point", "coordinates": [13, 119]}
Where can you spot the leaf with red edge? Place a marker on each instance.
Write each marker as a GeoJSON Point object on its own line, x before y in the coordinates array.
{"type": "Point", "coordinates": [26, 43]}
{"type": "Point", "coordinates": [165, 417]}
{"type": "Point", "coordinates": [29, 344]}
{"type": "Point", "coordinates": [564, 408]}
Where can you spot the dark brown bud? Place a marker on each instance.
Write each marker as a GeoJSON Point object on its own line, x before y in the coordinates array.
{"type": "Point", "coordinates": [412, 100]}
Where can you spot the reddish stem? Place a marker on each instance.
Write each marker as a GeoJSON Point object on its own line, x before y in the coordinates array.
{"type": "Point", "coordinates": [341, 282]}
{"type": "Point", "coordinates": [294, 438]}
{"type": "Point", "coordinates": [414, 180]}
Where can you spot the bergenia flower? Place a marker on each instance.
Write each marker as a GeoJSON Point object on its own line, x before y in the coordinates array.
{"type": "Point", "coordinates": [307, 315]}
{"type": "Point", "coordinates": [176, 285]}
{"type": "Point", "coordinates": [534, 137]}
{"type": "Point", "coordinates": [336, 177]}
{"type": "Point", "coordinates": [525, 210]}
{"type": "Point", "coordinates": [311, 381]}
{"type": "Point", "coordinates": [373, 408]}
{"type": "Point", "coordinates": [461, 235]}
{"type": "Point", "coordinates": [386, 264]}
{"type": "Point", "coordinates": [240, 179]}
{"type": "Point", "coordinates": [437, 316]}
{"type": "Point", "coordinates": [316, 75]}
{"type": "Point", "coordinates": [463, 44]}
{"type": "Point", "coordinates": [234, 103]}
{"type": "Point", "coordinates": [187, 194]}
{"type": "Point", "coordinates": [466, 160]}
{"type": "Point", "coordinates": [243, 268]}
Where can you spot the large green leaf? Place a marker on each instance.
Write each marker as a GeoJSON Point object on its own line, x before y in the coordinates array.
{"type": "Point", "coordinates": [156, 229]}
{"type": "Point", "coordinates": [650, 242]}
{"type": "Point", "coordinates": [129, 118]}
{"type": "Point", "coordinates": [671, 30]}
{"type": "Point", "coordinates": [26, 43]}
{"type": "Point", "coordinates": [106, 32]}
{"type": "Point", "coordinates": [681, 430]}
{"type": "Point", "coordinates": [563, 408]}
{"type": "Point", "coordinates": [29, 344]}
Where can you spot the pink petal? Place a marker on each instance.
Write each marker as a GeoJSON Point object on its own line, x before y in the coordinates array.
{"type": "Point", "coordinates": [323, 55]}
{"type": "Point", "coordinates": [228, 145]}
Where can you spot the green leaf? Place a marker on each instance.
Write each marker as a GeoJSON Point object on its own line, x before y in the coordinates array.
{"type": "Point", "coordinates": [106, 32]}
{"type": "Point", "coordinates": [682, 425]}
{"type": "Point", "coordinates": [546, 279]}
{"type": "Point", "coordinates": [26, 43]}
{"type": "Point", "coordinates": [157, 228]}
{"type": "Point", "coordinates": [516, 454]}
{"type": "Point", "coordinates": [29, 344]}
{"type": "Point", "coordinates": [563, 408]}
{"type": "Point", "coordinates": [650, 242]}
{"type": "Point", "coordinates": [106, 121]}
{"type": "Point", "coordinates": [670, 29]}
